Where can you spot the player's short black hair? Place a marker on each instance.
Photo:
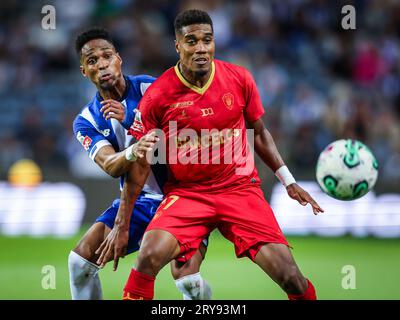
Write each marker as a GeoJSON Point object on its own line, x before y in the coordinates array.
{"type": "Point", "coordinates": [193, 16]}
{"type": "Point", "coordinates": [91, 34]}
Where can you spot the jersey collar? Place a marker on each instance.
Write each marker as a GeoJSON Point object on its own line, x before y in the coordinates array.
{"type": "Point", "coordinates": [199, 90]}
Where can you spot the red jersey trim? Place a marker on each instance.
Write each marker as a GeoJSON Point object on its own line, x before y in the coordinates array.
{"type": "Point", "coordinates": [199, 90]}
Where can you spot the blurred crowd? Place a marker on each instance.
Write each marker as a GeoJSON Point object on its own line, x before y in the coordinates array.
{"type": "Point", "coordinates": [318, 81]}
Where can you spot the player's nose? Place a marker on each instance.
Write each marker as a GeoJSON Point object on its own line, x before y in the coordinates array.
{"type": "Point", "coordinates": [103, 64]}
{"type": "Point", "coordinates": [201, 47]}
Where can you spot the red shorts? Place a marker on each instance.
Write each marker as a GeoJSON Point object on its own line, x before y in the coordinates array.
{"type": "Point", "coordinates": [243, 216]}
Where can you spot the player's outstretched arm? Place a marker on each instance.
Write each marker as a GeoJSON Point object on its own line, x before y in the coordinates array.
{"type": "Point", "coordinates": [115, 244]}
{"type": "Point", "coordinates": [265, 147]}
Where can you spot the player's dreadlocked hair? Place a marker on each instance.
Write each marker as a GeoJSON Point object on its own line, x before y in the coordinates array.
{"type": "Point", "coordinates": [90, 34]}
{"type": "Point", "coordinates": [188, 17]}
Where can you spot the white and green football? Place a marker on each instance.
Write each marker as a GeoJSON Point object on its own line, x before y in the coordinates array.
{"type": "Point", "coordinates": [346, 169]}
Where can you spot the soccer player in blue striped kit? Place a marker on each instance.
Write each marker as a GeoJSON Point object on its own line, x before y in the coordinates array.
{"type": "Point", "coordinates": [101, 128]}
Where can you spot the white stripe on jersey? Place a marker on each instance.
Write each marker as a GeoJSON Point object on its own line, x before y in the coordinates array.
{"type": "Point", "coordinates": [97, 147]}
{"type": "Point", "coordinates": [121, 133]}
{"type": "Point", "coordinates": [89, 117]}
{"type": "Point", "coordinates": [128, 138]}
{"type": "Point", "coordinates": [143, 87]}
{"type": "Point", "coordinates": [153, 196]}
{"type": "Point", "coordinates": [151, 185]}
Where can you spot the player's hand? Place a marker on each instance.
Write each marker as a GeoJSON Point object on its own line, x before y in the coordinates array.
{"type": "Point", "coordinates": [145, 144]}
{"type": "Point", "coordinates": [303, 197]}
{"type": "Point", "coordinates": [113, 247]}
{"type": "Point", "coordinates": [113, 109]}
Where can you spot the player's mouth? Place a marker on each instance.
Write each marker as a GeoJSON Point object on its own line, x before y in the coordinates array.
{"type": "Point", "coordinates": [201, 61]}
{"type": "Point", "coordinates": [105, 77]}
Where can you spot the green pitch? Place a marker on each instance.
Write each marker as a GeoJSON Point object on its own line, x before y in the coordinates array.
{"type": "Point", "coordinates": [376, 263]}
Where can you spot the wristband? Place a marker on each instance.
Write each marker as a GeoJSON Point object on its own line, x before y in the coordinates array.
{"type": "Point", "coordinates": [284, 176]}
{"type": "Point", "coordinates": [129, 154]}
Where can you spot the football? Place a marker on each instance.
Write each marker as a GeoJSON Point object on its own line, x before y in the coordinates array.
{"type": "Point", "coordinates": [346, 169]}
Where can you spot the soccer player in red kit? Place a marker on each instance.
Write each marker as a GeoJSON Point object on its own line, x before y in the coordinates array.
{"type": "Point", "coordinates": [202, 106]}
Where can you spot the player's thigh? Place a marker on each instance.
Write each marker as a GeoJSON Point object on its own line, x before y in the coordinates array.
{"type": "Point", "coordinates": [247, 220]}
{"type": "Point", "coordinates": [188, 217]}
{"type": "Point", "coordinates": [91, 241]}
{"type": "Point", "coordinates": [158, 247]}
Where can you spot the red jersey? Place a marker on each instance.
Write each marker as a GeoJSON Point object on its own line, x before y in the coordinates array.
{"type": "Point", "coordinates": [205, 128]}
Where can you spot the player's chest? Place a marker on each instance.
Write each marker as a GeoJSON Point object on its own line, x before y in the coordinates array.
{"type": "Point", "coordinates": [208, 111]}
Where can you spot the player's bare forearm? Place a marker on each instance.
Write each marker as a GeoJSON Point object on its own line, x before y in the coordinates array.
{"type": "Point", "coordinates": [116, 163]}
{"type": "Point", "coordinates": [116, 242]}
{"type": "Point", "coordinates": [265, 147]}
{"type": "Point", "coordinates": [134, 182]}
{"type": "Point", "coordinates": [113, 163]}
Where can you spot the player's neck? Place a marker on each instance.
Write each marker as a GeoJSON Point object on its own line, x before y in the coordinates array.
{"type": "Point", "coordinates": [116, 92]}
{"type": "Point", "coordinates": [194, 78]}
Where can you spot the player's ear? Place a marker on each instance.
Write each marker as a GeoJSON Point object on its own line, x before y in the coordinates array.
{"type": "Point", "coordinates": [119, 57]}
{"type": "Point", "coordinates": [83, 70]}
{"type": "Point", "coordinates": [177, 46]}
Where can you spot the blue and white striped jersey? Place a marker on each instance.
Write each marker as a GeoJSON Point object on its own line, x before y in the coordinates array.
{"type": "Point", "coordinates": [95, 132]}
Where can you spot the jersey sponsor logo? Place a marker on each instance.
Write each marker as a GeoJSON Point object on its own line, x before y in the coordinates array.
{"type": "Point", "coordinates": [207, 139]}
{"type": "Point", "coordinates": [105, 132]}
{"type": "Point", "coordinates": [228, 100]}
{"type": "Point", "coordinates": [207, 112]}
{"type": "Point", "coordinates": [85, 141]}
{"type": "Point", "coordinates": [183, 104]}
{"type": "Point", "coordinates": [137, 122]}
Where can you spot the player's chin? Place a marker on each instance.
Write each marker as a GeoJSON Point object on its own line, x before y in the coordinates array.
{"type": "Point", "coordinates": [107, 85]}
{"type": "Point", "coordinates": [202, 71]}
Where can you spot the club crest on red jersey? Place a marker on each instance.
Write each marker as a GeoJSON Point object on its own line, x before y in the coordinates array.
{"type": "Point", "coordinates": [228, 100]}
{"type": "Point", "coordinates": [183, 115]}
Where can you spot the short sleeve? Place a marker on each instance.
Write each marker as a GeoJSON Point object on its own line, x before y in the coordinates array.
{"type": "Point", "coordinates": [142, 83]}
{"type": "Point", "coordinates": [90, 139]}
{"type": "Point", "coordinates": [254, 109]}
{"type": "Point", "coordinates": [145, 117]}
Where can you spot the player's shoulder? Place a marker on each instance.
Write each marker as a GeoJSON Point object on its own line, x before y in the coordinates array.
{"type": "Point", "coordinates": [140, 83]}
{"type": "Point", "coordinates": [84, 118]}
{"type": "Point", "coordinates": [231, 69]}
{"type": "Point", "coordinates": [161, 85]}
{"type": "Point", "coordinates": [139, 78]}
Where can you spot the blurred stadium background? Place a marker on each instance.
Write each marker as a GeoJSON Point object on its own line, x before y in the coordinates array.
{"type": "Point", "coordinates": [318, 83]}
